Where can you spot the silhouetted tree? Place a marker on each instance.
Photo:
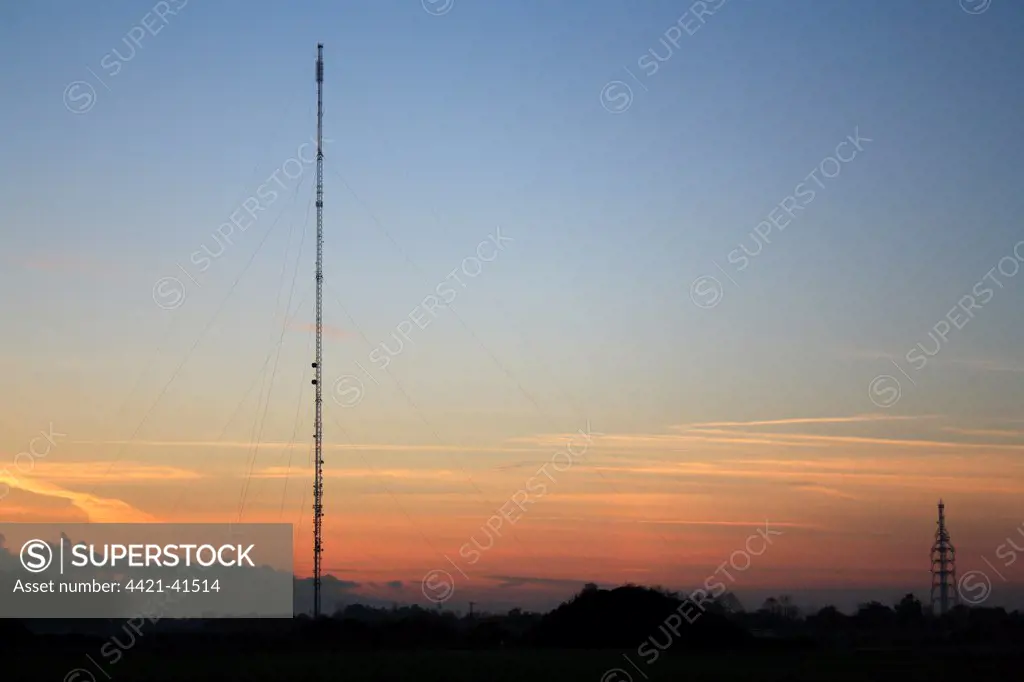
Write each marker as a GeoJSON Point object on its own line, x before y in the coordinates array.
{"type": "Point", "coordinates": [909, 611]}
{"type": "Point", "coordinates": [874, 615]}
{"type": "Point", "coordinates": [828, 618]}
{"type": "Point", "coordinates": [628, 616]}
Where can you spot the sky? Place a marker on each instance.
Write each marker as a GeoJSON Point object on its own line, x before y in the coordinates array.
{"type": "Point", "coordinates": [700, 269]}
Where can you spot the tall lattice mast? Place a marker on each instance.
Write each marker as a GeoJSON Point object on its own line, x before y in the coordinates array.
{"type": "Point", "coordinates": [943, 567]}
{"type": "Point", "coordinates": [318, 481]}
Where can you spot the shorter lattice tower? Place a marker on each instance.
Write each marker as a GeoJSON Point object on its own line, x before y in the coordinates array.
{"type": "Point", "coordinates": [943, 567]}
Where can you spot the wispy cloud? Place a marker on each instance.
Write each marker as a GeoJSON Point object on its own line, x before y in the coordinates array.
{"type": "Point", "coordinates": [825, 490]}
{"type": "Point", "coordinates": [685, 436]}
{"type": "Point", "coordinates": [834, 476]}
{"type": "Point", "coordinates": [134, 472]}
{"type": "Point", "coordinates": [860, 418]}
{"type": "Point", "coordinates": [97, 509]}
{"type": "Point", "coordinates": [986, 433]}
{"type": "Point", "coordinates": [412, 474]}
{"type": "Point", "coordinates": [245, 445]}
{"type": "Point", "coordinates": [687, 522]}
{"type": "Point", "coordinates": [691, 436]}
{"type": "Point", "coordinates": [745, 524]}
{"type": "Point", "coordinates": [867, 440]}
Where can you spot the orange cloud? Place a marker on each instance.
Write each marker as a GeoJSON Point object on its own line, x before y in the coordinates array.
{"type": "Point", "coordinates": [667, 500]}
{"type": "Point", "coordinates": [413, 474]}
{"type": "Point", "coordinates": [296, 445]}
{"type": "Point", "coordinates": [100, 471]}
{"type": "Point", "coordinates": [97, 509]}
{"type": "Point", "coordinates": [824, 490]}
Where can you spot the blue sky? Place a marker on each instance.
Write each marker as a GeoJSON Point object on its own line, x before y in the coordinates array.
{"type": "Point", "coordinates": [446, 127]}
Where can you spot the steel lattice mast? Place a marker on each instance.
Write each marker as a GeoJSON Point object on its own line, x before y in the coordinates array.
{"type": "Point", "coordinates": [943, 567]}
{"type": "Point", "coordinates": [318, 481]}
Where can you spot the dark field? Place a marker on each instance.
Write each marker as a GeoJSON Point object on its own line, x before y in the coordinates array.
{"type": "Point", "coordinates": [584, 639]}
{"type": "Point", "coordinates": [524, 666]}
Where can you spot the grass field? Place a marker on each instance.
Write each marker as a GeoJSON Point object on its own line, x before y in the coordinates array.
{"type": "Point", "coordinates": [507, 666]}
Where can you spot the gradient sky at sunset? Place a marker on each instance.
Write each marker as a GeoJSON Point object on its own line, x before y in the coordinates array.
{"type": "Point", "coordinates": [706, 422]}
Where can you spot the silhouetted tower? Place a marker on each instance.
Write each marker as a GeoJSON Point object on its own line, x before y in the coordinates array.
{"type": "Point", "coordinates": [318, 478]}
{"type": "Point", "coordinates": [943, 567]}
